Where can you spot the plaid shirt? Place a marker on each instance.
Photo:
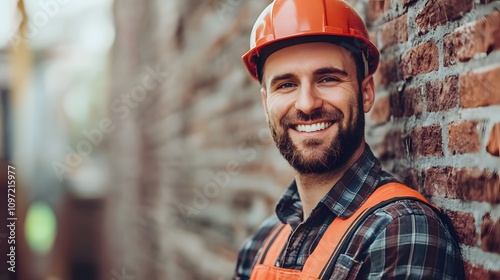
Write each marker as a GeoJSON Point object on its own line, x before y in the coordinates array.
{"type": "Point", "coordinates": [403, 240]}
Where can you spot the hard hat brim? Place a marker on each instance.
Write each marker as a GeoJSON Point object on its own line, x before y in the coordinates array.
{"type": "Point", "coordinates": [255, 58]}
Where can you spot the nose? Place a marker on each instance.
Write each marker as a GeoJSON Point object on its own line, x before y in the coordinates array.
{"type": "Point", "coordinates": [308, 99]}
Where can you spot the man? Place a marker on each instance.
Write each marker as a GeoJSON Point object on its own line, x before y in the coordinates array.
{"type": "Point", "coordinates": [342, 217]}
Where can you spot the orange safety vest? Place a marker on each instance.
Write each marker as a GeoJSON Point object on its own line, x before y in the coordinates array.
{"type": "Point", "coordinates": [330, 244]}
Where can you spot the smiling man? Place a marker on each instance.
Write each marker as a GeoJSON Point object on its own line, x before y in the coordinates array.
{"type": "Point", "coordinates": [342, 217]}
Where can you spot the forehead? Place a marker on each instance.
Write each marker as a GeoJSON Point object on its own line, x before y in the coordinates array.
{"type": "Point", "coordinates": [305, 58]}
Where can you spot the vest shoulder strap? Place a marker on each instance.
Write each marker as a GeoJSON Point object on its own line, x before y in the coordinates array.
{"type": "Point", "coordinates": [340, 230]}
{"type": "Point", "coordinates": [337, 233]}
{"type": "Point", "coordinates": [273, 245]}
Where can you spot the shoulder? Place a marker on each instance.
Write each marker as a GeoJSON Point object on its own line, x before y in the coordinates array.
{"type": "Point", "coordinates": [405, 216]}
{"type": "Point", "coordinates": [251, 247]}
{"type": "Point", "coordinates": [409, 237]}
{"type": "Point", "coordinates": [408, 207]}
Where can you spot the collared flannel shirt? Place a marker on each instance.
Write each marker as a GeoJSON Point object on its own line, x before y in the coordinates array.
{"type": "Point", "coordinates": [403, 240]}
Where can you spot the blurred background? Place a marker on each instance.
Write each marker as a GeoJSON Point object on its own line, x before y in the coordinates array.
{"type": "Point", "coordinates": [141, 149]}
{"type": "Point", "coordinates": [137, 136]}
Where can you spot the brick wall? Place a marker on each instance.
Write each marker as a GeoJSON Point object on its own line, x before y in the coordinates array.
{"type": "Point", "coordinates": [437, 114]}
{"type": "Point", "coordinates": [194, 167]}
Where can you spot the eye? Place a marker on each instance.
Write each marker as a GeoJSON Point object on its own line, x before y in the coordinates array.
{"type": "Point", "coordinates": [286, 85]}
{"type": "Point", "coordinates": [329, 80]}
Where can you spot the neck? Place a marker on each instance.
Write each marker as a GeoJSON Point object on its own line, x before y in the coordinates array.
{"type": "Point", "coordinates": [313, 187]}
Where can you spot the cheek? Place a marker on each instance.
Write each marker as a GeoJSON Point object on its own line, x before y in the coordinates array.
{"type": "Point", "coordinates": [349, 107]}
{"type": "Point", "coordinates": [278, 106]}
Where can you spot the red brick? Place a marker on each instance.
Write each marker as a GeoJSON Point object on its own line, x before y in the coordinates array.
{"type": "Point", "coordinates": [478, 185]}
{"type": "Point", "coordinates": [400, 144]}
{"type": "Point", "coordinates": [387, 5]}
{"type": "Point", "coordinates": [395, 31]}
{"type": "Point", "coordinates": [463, 137]}
{"type": "Point", "coordinates": [396, 106]}
{"type": "Point", "coordinates": [407, 103]}
{"type": "Point", "coordinates": [410, 177]}
{"type": "Point", "coordinates": [493, 146]}
{"type": "Point", "coordinates": [376, 8]}
{"type": "Point", "coordinates": [394, 146]}
{"type": "Point", "coordinates": [437, 12]}
{"type": "Point", "coordinates": [373, 38]}
{"type": "Point", "coordinates": [440, 182]}
{"type": "Point", "coordinates": [442, 94]}
{"type": "Point", "coordinates": [482, 36]}
{"type": "Point", "coordinates": [420, 59]}
{"type": "Point", "coordinates": [388, 72]}
{"type": "Point", "coordinates": [490, 234]}
{"type": "Point", "coordinates": [412, 101]}
{"type": "Point", "coordinates": [480, 88]}
{"type": "Point", "coordinates": [414, 179]}
{"type": "Point", "coordinates": [426, 141]}
{"type": "Point", "coordinates": [465, 225]}
{"type": "Point", "coordinates": [380, 112]}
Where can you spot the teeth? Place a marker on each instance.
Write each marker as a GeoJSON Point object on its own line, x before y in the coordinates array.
{"type": "Point", "coordinates": [313, 127]}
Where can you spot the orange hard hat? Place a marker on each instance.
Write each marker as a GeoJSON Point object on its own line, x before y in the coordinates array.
{"type": "Point", "coordinates": [287, 22]}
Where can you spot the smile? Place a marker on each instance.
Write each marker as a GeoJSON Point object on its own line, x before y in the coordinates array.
{"type": "Point", "coordinates": [313, 127]}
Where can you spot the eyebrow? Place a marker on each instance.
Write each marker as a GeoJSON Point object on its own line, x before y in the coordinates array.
{"type": "Point", "coordinates": [330, 70]}
{"type": "Point", "coordinates": [320, 71]}
{"type": "Point", "coordinates": [278, 78]}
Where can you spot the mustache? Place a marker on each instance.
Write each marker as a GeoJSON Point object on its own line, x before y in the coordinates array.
{"type": "Point", "coordinates": [320, 114]}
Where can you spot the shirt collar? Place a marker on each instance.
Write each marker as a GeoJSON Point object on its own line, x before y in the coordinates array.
{"type": "Point", "coordinates": [344, 198]}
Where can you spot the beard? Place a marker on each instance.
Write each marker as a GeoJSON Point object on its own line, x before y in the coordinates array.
{"type": "Point", "coordinates": [314, 159]}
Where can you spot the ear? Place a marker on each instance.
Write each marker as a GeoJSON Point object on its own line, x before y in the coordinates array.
{"type": "Point", "coordinates": [368, 91]}
{"type": "Point", "coordinates": [263, 95]}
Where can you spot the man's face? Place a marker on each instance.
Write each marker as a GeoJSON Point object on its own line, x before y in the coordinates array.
{"type": "Point", "coordinates": [314, 105]}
